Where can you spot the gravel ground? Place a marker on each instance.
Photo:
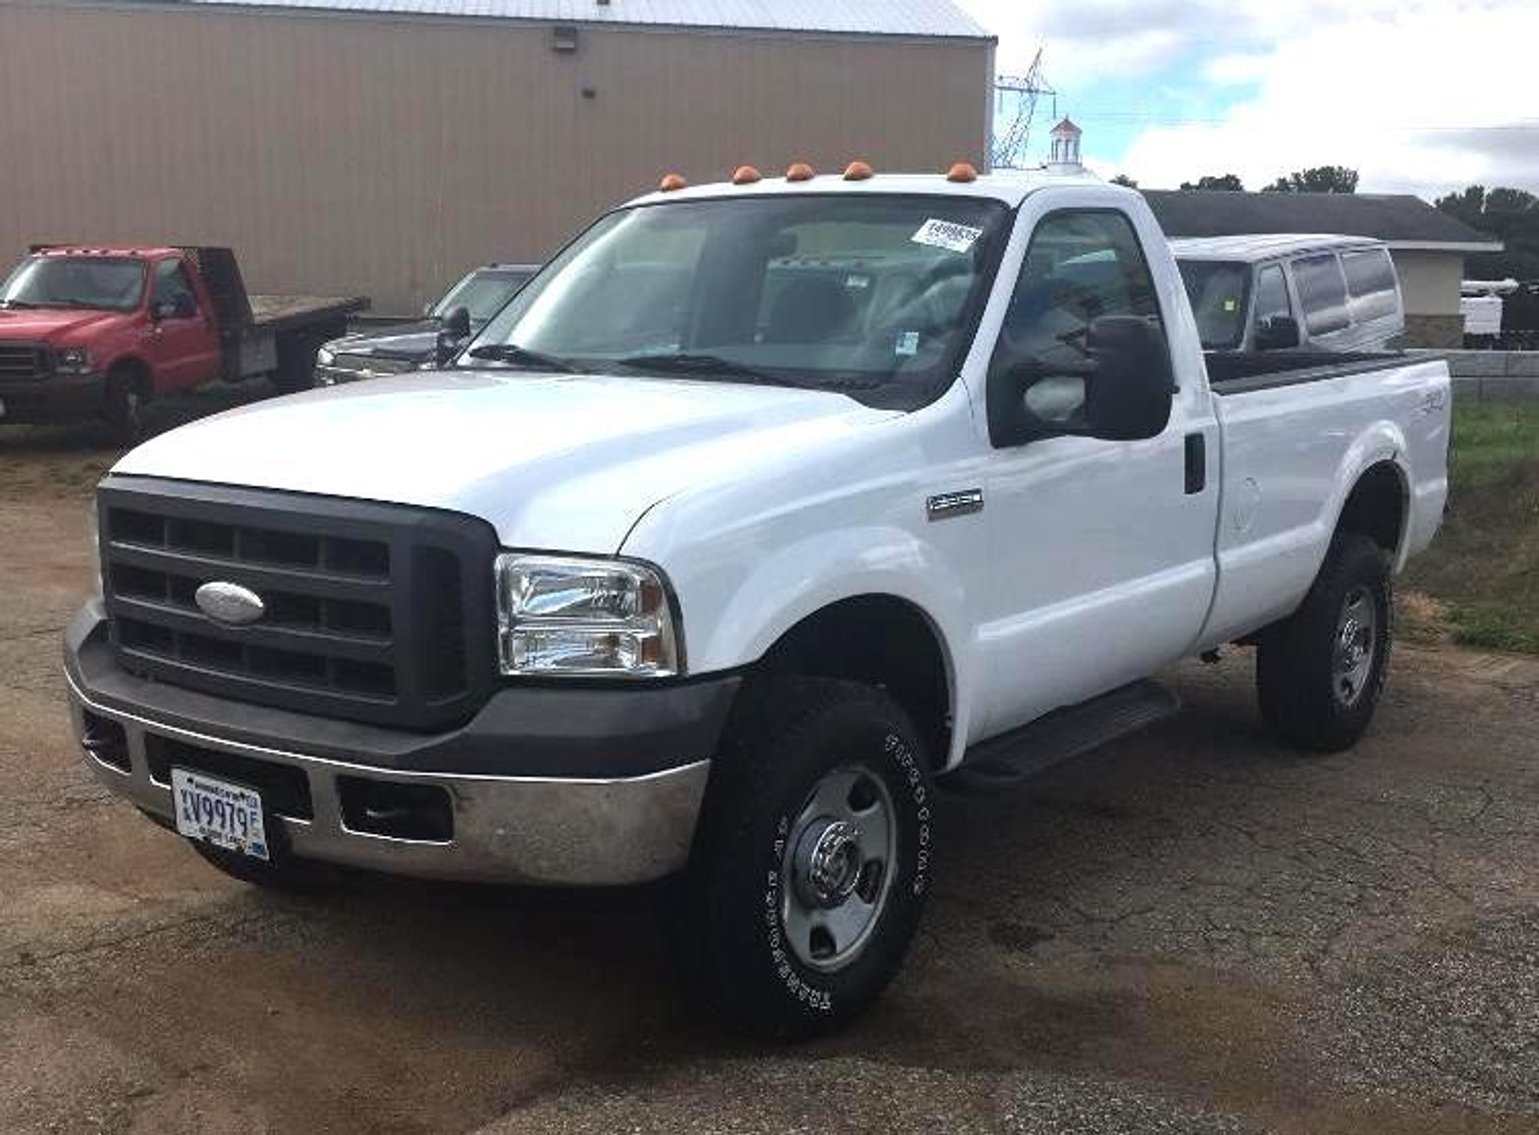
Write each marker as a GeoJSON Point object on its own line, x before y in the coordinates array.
{"type": "Point", "coordinates": [1194, 930]}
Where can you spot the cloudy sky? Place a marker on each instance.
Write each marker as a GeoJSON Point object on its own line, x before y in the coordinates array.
{"type": "Point", "coordinates": [1420, 96]}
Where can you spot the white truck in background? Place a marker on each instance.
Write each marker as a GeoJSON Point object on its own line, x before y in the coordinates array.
{"type": "Point", "coordinates": [761, 510]}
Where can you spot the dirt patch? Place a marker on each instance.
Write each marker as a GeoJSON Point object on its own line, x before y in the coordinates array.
{"type": "Point", "coordinates": [1193, 930]}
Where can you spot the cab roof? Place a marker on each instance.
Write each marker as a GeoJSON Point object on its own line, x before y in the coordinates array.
{"type": "Point", "coordinates": [1010, 186]}
{"type": "Point", "coordinates": [137, 252]}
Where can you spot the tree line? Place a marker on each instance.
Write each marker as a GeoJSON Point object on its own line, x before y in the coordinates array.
{"type": "Point", "coordinates": [1319, 179]}
{"type": "Point", "coordinates": [1505, 214]}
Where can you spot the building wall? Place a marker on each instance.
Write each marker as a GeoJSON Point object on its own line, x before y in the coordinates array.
{"type": "Point", "coordinates": [1429, 281]}
{"type": "Point", "coordinates": [1429, 287]}
{"type": "Point", "coordinates": [345, 154]}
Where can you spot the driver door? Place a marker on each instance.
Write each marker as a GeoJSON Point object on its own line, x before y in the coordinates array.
{"type": "Point", "coordinates": [1102, 551]}
{"type": "Point", "coordinates": [183, 348]}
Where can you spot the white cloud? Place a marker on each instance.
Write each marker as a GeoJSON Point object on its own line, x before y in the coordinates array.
{"type": "Point", "coordinates": [1417, 95]}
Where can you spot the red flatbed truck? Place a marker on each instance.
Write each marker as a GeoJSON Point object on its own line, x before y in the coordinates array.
{"type": "Point", "coordinates": [98, 332]}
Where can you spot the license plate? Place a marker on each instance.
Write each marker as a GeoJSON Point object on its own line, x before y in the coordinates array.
{"type": "Point", "coordinates": [218, 812]}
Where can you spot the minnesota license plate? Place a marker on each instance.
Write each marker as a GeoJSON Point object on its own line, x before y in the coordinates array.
{"type": "Point", "coordinates": [217, 812]}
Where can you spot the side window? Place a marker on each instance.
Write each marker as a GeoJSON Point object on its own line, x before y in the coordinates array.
{"type": "Point", "coordinates": [1371, 283]}
{"type": "Point", "coordinates": [1080, 266]}
{"type": "Point", "coordinates": [1322, 293]}
{"type": "Point", "coordinates": [171, 284]}
{"type": "Point", "coordinates": [1271, 296]}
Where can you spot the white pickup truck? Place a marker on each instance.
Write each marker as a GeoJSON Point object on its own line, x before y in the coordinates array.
{"type": "Point", "coordinates": [765, 507]}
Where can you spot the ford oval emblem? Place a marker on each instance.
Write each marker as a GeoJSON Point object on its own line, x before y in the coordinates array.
{"type": "Point", "coordinates": [229, 603]}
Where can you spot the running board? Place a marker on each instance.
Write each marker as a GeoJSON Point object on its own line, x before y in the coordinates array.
{"type": "Point", "coordinates": [1013, 759]}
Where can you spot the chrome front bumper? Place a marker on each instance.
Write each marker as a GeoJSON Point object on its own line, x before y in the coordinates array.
{"type": "Point", "coordinates": [580, 832]}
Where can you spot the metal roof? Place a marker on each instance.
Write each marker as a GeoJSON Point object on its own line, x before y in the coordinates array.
{"type": "Point", "coordinates": [1400, 220]}
{"type": "Point", "coordinates": [1253, 247]}
{"type": "Point", "coordinates": [922, 18]}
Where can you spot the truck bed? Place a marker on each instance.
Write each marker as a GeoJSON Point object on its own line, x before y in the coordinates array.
{"type": "Point", "coordinates": [1294, 438]}
{"type": "Point", "coordinates": [278, 313]}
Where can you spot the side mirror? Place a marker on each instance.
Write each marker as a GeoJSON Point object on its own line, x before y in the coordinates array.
{"type": "Point", "coordinates": [427, 310]}
{"type": "Point", "coordinates": [1277, 333]}
{"type": "Point", "coordinates": [1121, 391]}
{"type": "Point", "coordinates": [453, 330]}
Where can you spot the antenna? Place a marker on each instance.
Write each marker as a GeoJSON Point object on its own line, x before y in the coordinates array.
{"type": "Point", "coordinates": [1015, 104]}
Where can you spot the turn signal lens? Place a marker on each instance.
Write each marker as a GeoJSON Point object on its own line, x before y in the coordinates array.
{"type": "Point", "coordinates": [799, 171]}
{"type": "Point", "coordinates": [962, 171]}
{"type": "Point", "coordinates": [857, 171]}
{"type": "Point", "coordinates": [746, 175]}
{"type": "Point", "coordinates": [671, 182]}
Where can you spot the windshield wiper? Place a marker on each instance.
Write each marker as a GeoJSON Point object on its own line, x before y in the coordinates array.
{"type": "Point", "coordinates": [514, 355]}
{"type": "Point", "coordinates": [705, 366]}
{"type": "Point", "coordinates": [18, 304]}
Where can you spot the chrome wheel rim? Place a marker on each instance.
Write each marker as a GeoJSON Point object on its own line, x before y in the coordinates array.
{"type": "Point", "coordinates": [1355, 646]}
{"type": "Point", "coordinates": [837, 868]}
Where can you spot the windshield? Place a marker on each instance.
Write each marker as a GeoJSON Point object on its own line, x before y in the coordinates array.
{"type": "Point", "coordinates": [107, 283]}
{"type": "Point", "coordinates": [1218, 291]}
{"type": "Point", "coordinates": [863, 293]}
{"type": "Point", "coordinates": [482, 293]}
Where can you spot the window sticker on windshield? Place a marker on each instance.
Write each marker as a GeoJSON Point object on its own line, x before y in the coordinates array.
{"type": "Point", "coordinates": [908, 343]}
{"type": "Point", "coordinates": [1231, 305]}
{"type": "Point", "coordinates": [946, 234]}
{"type": "Point", "coordinates": [857, 281]}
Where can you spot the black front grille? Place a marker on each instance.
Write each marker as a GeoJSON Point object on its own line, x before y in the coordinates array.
{"type": "Point", "coordinates": [25, 361]}
{"type": "Point", "coordinates": [378, 613]}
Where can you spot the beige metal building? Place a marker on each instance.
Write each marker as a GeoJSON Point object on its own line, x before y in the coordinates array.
{"type": "Point", "coordinates": [382, 147]}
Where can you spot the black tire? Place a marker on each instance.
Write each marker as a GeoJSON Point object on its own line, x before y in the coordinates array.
{"type": "Point", "coordinates": [123, 404]}
{"type": "Point", "coordinates": [296, 362]}
{"type": "Point", "coordinates": [286, 873]}
{"type": "Point", "coordinates": [786, 737]}
{"type": "Point", "coordinates": [1299, 669]}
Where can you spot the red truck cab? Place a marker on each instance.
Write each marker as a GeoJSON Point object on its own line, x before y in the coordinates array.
{"type": "Point", "coordinates": [88, 332]}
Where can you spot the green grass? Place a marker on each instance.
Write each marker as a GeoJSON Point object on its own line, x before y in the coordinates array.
{"type": "Point", "coordinates": [1478, 584]}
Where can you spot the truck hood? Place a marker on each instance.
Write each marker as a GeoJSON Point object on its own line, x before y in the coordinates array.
{"type": "Point", "coordinates": [411, 340]}
{"type": "Point", "coordinates": [52, 325]}
{"type": "Point", "coordinates": [558, 462]}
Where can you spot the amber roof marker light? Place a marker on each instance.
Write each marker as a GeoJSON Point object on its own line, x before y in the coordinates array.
{"type": "Point", "coordinates": [799, 171]}
{"type": "Point", "coordinates": [858, 171]}
{"type": "Point", "coordinates": [672, 182]}
{"type": "Point", "coordinates": [746, 175]}
{"type": "Point", "coordinates": [962, 172]}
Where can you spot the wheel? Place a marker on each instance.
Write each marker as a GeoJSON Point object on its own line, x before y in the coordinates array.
{"type": "Point", "coordinates": [124, 406]}
{"type": "Point", "coordinates": [1319, 672]}
{"type": "Point", "coordinates": [813, 859]}
{"type": "Point", "coordinates": [296, 876]}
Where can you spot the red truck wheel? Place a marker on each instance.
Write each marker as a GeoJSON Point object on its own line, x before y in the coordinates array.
{"type": "Point", "coordinates": [123, 404]}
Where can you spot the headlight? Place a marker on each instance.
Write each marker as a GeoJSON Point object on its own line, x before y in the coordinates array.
{"type": "Point", "coordinates": [75, 360]}
{"type": "Point", "coordinates": [325, 358]}
{"type": "Point", "coordinates": [586, 618]}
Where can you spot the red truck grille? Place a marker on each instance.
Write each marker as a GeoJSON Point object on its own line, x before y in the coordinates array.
{"type": "Point", "coordinates": [24, 360]}
{"type": "Point", "coordinates": [375, 613]}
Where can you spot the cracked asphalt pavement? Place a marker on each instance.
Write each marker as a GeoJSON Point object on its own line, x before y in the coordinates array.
{"type": "Point", "coordinates": [1193, 930]}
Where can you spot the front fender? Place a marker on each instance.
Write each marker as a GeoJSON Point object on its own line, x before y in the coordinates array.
{"type": "Point", "coordinates": [734, 623]}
